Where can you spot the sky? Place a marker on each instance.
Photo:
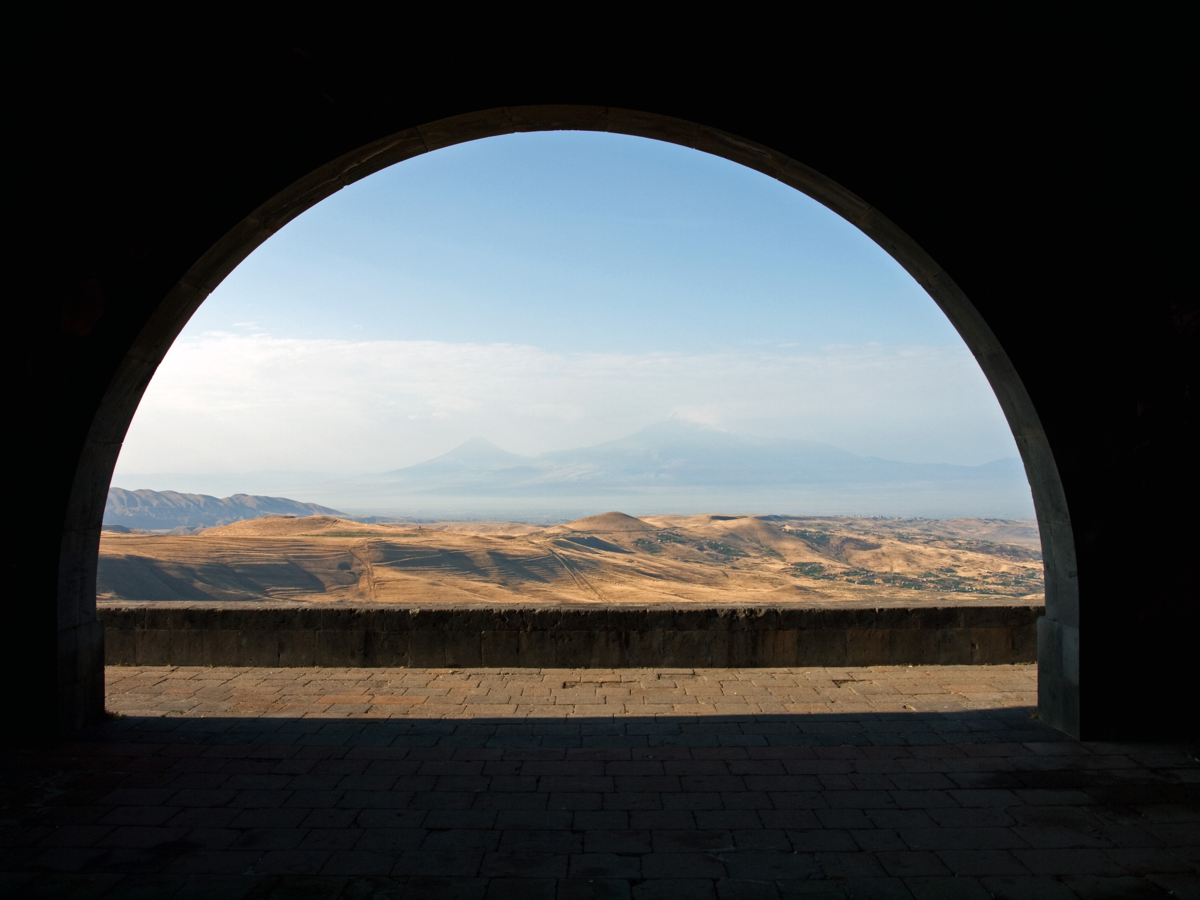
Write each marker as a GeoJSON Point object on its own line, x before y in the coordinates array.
{"type": "Point", "coordinates": [555, 290]}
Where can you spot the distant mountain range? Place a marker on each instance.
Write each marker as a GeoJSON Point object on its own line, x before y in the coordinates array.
{"type": "Point", "coordinates": [161, 510]}
{"type": "Point", "coordinates": [671, 455]}
{"type": "Point", "coordinates": [671, 467]}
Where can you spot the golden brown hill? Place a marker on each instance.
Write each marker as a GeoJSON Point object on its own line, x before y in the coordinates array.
{"type": "Point", "coordinates": [618, 559]}
{"type": "Point", "coordinates": [608, 523]}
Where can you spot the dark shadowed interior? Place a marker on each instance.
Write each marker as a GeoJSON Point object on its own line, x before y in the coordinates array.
{"type": "Point", "coordinates": [1040, 214]}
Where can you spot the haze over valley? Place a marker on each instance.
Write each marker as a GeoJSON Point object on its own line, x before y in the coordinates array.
{"type": "Point", "coordinates": [671, 467]}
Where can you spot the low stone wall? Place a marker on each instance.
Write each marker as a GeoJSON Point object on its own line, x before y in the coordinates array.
{"type": "Point", "coordinates": [566, 637]}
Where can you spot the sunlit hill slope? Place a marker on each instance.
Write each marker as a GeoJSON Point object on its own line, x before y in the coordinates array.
{"type": "Point", "coordinates": [607, 559]}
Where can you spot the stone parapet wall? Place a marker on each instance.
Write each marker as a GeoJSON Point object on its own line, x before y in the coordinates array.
{"type": "Point", "coordinates": [283, 635]}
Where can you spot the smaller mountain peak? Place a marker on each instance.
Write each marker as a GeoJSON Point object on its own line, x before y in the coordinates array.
{"type": "Point", "coordinates": [478, 449]}
{"type": "Point", "coordinates": [478, 442]}
{"type": "Point", "coordinates": [677, 424]}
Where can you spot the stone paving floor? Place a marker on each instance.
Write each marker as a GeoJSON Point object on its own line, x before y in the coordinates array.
{"type": "Point", "coordinates": [925, 782]}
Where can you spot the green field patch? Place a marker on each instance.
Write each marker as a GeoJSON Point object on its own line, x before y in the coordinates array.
{"type": "Point", "coordinates": [667, 537]}
{"type": "Point", "coordinates": [815, 538]}
{"type": "Point", "coordinates": [723, 549]}
{"type": "Point", "coordinates": [810, 569]}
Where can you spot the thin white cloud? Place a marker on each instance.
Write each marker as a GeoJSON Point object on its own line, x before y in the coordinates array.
{"type": "Point", "coordinates": [227, 402]}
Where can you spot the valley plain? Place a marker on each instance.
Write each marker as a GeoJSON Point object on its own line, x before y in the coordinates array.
{"type": "Point", "coordinates": [606, 559]}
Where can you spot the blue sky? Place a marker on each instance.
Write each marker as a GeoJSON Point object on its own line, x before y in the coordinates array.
{"type": "Point", "coordinates": [577, 242]}
{"type": "Point", "coordinates": [554, 290]}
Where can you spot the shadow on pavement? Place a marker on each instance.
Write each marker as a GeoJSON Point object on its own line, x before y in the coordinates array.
{"type": "Point", "coordinates": [955, 804]}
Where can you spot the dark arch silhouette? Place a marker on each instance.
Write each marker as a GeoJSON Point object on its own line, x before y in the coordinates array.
{"type": "Point", "coordinates": [125, 297]}
{"type": "Point", "coordinates": [122, 398]}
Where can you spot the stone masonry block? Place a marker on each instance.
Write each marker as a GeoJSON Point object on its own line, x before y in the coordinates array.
{"type": "Point", "coordinates": [654, 620]}
{"type": "Point", "coordinates": [783, 648]}
{"type": "Point", "coordinates": [662, 128]}
{"type": "Point", "coordinates": [297, 648]}
{"type": "Point", "coordinates": [820, 647]}
{"type": "Point", "coordinates": [387, 649]}
{"type": "Point", "coordinates": [426, 648]}
{"type": "Point", "coordinates": [559, 118]}
{"type": "Point", "coordinates": [702, 620]}
{"type": "Point", "coordinates": [537, 649]}
{"type": "Point", "coordinates": [153, 648]}
{"type": "Point", "coordinates": [991, 646]}
{"type": "Point", "coordinates": [606, 649]}
{"type": "Point", "coordinates": [462, 648]}
{"type": "Point", "coordinates": [187, 648]}
{"type": "Point", "coordinates": [1024, 642]}
{"type": "Point", "coordinates": [219, 648]}
{"type": "Point", "coordinates": [374, 621]}
{"type": "Point", "coordinates": [761, 647]}
{"type": "Point", "coordinates": [687, 649]}
{"type": "Point", "coordinates": [954, 647]}
{"type": "Point", "coordinates": [913, 647]}
{"type": "Point", "coordinates": [309, 618]}
{"type": "Point", "coordinates": [868, 646]}
{"type": "Point", "coordinates": [927, 618]}
{"type": "Point", "coordinates": [574, 649]}
{"type": "Point", "coordinates": [121, 619]}
{"type": "Point", "coordinates": [541, 620]}
{"type": "Point", "coordinates": [119, 647]}
{"type": "Point", "coordinates": [500, 648]}
{"type": "Point", "coordinates": [258, 648]}
{"type": "Point", "coordinates": [642, 648]}
{"type": "Point", "coordinates": [624, 621]}
{"type": "Point", "coordinates": [340, 647]}
{"type": "Point", "coordinates": [717, 641]}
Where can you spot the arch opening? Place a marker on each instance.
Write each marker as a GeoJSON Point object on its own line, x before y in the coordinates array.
{"type": "Point", "coordinates": [123, 396]}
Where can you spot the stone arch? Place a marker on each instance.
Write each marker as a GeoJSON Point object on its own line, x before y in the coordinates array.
{"type": "Point", "coordinates": [80, 645]}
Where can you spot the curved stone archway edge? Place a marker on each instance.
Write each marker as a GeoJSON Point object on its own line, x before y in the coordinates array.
{"type": "Point", "coordinates": [80, 636]}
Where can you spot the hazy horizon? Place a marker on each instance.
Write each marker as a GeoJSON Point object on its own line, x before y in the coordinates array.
{"type": "Point", "coordinates": [669, 468]}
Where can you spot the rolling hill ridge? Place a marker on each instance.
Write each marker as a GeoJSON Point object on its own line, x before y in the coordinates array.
{"type": "Point", "coordinates": [160, 510]}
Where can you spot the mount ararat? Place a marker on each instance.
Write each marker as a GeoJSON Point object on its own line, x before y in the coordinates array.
{"type": "Point", "coordinates": [673, 454]}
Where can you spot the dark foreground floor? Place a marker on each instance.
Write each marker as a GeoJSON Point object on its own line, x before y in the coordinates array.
{"type": "Point", "coordinates": [958, 803]}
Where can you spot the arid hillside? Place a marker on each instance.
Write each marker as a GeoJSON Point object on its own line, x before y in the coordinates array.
{"type": "Point", "coordinates": [610, 558]}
